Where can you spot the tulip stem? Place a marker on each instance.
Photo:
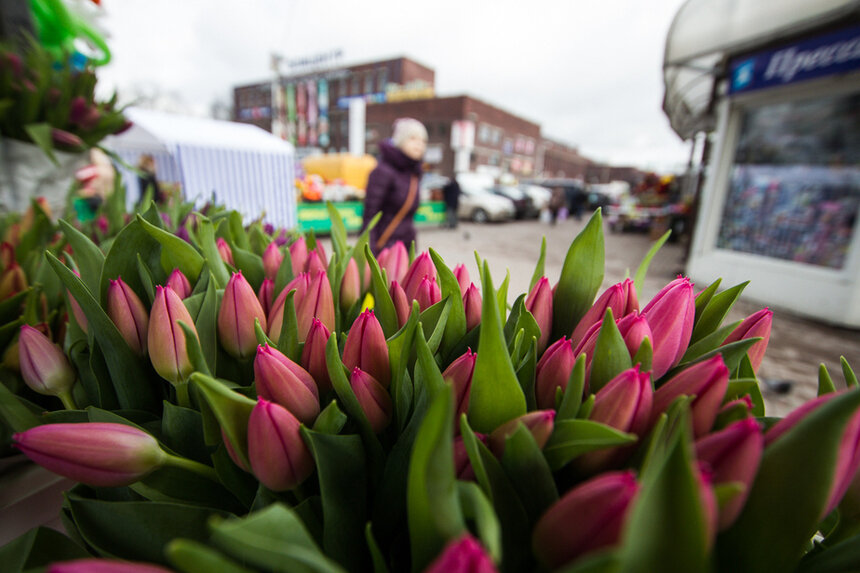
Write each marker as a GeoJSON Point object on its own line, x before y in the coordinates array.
{"type": "Point", "coordinates": [192, 466]}
{"type": "Point", "coordinates": [182, 396]}
{"type": "Point", "coordinates": [68, 400]}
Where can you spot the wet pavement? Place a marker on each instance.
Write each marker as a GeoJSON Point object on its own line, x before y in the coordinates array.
{"type": "Point", "coordinates": [789, 371]}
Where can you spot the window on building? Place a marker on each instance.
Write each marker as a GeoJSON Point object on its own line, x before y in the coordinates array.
{"type": "Point", "coordinates": [484, 133]}
{"type": "Point", "coordinates": [355, 85]}
{"type": "Point", "coordinates": [344, 91]}
{"type": "Point", "coordinates": [794, 192]}
{"type": "Point", "coordinates": [496, 136]}
{"type": "Point", "coordinates": [382, 79]}
{"type": "Point", "coordinates": [368, 82]}
{"type": "Point", "coordinates": [442, 129]}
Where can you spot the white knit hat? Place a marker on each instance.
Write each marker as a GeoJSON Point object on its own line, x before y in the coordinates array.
{"type": "Point", "coordinates": [406, 128]}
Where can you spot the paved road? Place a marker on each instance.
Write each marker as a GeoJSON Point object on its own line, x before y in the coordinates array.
{"type": "Point", "coordinates": [797, 346]}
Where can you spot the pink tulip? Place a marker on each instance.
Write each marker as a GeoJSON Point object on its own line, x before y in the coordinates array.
{"type": "Point", "coordinates": [44, 365]}
{"type": "Point", "coordinates": [315, 263]}
{"type": "Point", "coordinates": [12, 281]}
{"type": "Point", "coordinates": [278, 455]}
{"type": "Point", "coordinates": [462, 465]}
{"type": "Point", "coordinates": [621, 298]}
{"type": "Point", "coordinates": [313, 354]}
{"type": "Point", "coordinates": [94, 453]}
{"type": "Point", "coordinates": [707, 381]}
{"type": "Point", "coordinates": [670, 314]}
{"type": "Point", "coordinates": [421, 267]}
{"type": "Point", "coordinates": [280, 380]}
{"type": "Point", "coordinates": [366, 348]}
{"type": "Point", "coordinates": [539, 422]}
{"type": "Point", "coordinates": [428, 293]}
{"type": "Point", "coordinates": [461, 273]}
{"type": "Point", "coordinates": [165, 338]}
{"type": "Point", "coordinates": [634, 328]}
{"type": "Point", "coordinates": [459, 376]}
{"type": "Point", "coordinates": [129, 315]}
{"type": "Point", "coordinates": [276, 315]}
{"type": "Point", "coordinates": [272, 258]}
{"type": "Point", "coordinates": [373, 398]}
{"type": "Point", "coordinates": [733, 455]}
{"type": "Point", "coordinates": [395, 261]}
{"type": "Point", "coordinates": [179, 283]}
{"type": "Point", "coordinates": [472, 305]}
{"type": "Point", "coordinates": [539, 303]}
{"type": "Point", "coordinates": [299, 256]}
{"type": "Point", "coordinates": [462, 555]}
{"type": "Point", "coordinates": [225, 251]}
{"type": "Point", "coordinates": [232, 453]}
{"type": "Point", "coordinates": [316, 304]}
{"type": "Point", "coordinates": [401, 305]}
{"type": "Point", "coordinates": [590, 516]}
{"type": "Point", "coordinates": [95, 565]}
{"type": "Point", "coordinates": [553, 371]}
{"type": "Point", "coordinates": [708, 501]}
{"type": "Point", "coordinates": [624, 404]}
{"type": "Point", "coordinates": [755, 325]}
{"type": "Point", "coordinates": [239, 309]}
{"type": "Point", "coordinates": [350, 286]}
{"type": "Point", "coordinates": [265, 295]}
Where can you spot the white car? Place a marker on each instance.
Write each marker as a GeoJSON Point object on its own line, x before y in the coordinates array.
{"type": "Point", "coordinates": [539, 195]}
{"type": "Point", "coordinates": [479, 204]}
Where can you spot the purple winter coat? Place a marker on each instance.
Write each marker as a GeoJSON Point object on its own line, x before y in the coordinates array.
{"type": "Point", "coordinates": [387, 191]}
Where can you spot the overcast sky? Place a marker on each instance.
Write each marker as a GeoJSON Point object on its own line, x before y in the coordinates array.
{"type": "Point", "coordinates": [588, 71]}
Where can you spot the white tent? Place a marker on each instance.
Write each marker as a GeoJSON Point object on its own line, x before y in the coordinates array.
{"type": "Point", "coordinates": [243, 166]}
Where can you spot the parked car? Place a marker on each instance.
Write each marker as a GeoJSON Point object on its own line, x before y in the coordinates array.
{"type": "Point", "coordinates": [523, 206]}
{"type": "Point", "coordinates": [539, 195]}
{"type": "Point", "coordinates": [479, 204]}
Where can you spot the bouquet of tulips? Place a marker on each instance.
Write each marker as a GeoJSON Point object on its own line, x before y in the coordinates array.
{"type": "Point", "coordinates": [229, 403]}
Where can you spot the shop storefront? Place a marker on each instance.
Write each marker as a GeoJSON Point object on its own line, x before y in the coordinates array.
{"type": "Point", "coordinates": [781, 196]}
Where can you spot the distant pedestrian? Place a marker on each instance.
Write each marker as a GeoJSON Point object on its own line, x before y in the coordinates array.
{"type": "Point", "coordinates": [451, 194]}
{"type": "Point", "coordinates": [392, 187]}
{"type": "Point", "coordinates": [146, 179]}
{"type": "Point", "coordinates": [557, 202]}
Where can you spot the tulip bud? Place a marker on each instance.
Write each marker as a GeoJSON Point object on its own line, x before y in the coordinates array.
{"type": "Point", "coordinates": [278, 455]}
{"type": "Point", "coordinates": [708, 501]}
{"type": "Point", "coordinates": [279, 379]}
{"type": "Point", "coordinates": [401, 304]}
{"type": "Point", "coordinates": [272, 258]}
{"type": "Point", "coordinates": [459, 375]}
{"type": "Point", "coordinates": [239, 308]}
{"type": "Point", "coordinates": [7, 255]}
{"type": "Point", "coordinates": [539, 422]}
{"type": "Point", "coordinates": [94, 453]}
{"type": "Point", "coordinates": [276, 316]}
{"type": "Point", "coordinates": [733, 455]}
{"type": "Point", "coordinates": [461, 273]}
{"type": "Point", "coordinates": [43, 364]}
{"type": "Point", "coordinates": [232, 452]}
{"type": "Point", "coordinates": [350, 286]}
{"type": "Point", "coordinates": [265, 296]}
{"type": "Point", "coordinates": [317, 303]}
{"type": "Point", "coordinates": [374, 400]}
{"type": "Point", "coordinates": [395, 261]}
{"type": "Point", "coordinates": [299, 256]}
{"type": "Point", "coordinates": [624, 404]}
{"type": "Point", "coordinates": [848, 460]}
{"type": "Point", "coordinates": [313, 354]}
{"type": "Point", "coordinates": [95, 565]}
{"type": "Point", "coordinates": [320, 251]}
{"type": "Point", "coordinates": [166, 339]}
{"type": "Point", "coordinates": [553, 371]}
{"type": "Point", "coordinates": [734, 411]}
{"type": "Point", "coordinates": [590, 516]}
{"type": "Point", "coordinates": [472, 303]}
{"type": "Point", "coordinates": [463, 555]}
{"type": "Point", "coordinates": [225, 251]}
{"type": "Point", "coordinates": [707, 381]}
{"type": "Point", "coordinates": [462, 464]}
{"type": "Point", "coordinates": [315, 264]}
{"type": "Point", "coordinates": [77, 311]}
{"type": "Point", "coordinates": [670, 314]}
{"type": "Point", "coordinates": [634, 328]}
{"type": "Point", "coordinates": [621, 298]}
{"type": "Point", "coordinates": [12, 281]}
{"type": "Point", "coordinates": [421, 267]}
{"type": "Point", "coordinates": [128, 314]}
{"type": "Point", "coordinates": [428, 293]}
{"type": "Point", "coordinates": [539, 303]}
{"type": "Point", "coordinates": [179, 283]}
{"type": "Point", "coordinates": [366, 348]}
{"type": "Point", "coordinates": [67, 139]}
{"type": "Point", "coordinates": [755, 325]}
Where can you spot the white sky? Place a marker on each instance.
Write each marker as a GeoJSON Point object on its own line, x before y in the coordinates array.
{"type": "Point", "coordinates": [588, 71]}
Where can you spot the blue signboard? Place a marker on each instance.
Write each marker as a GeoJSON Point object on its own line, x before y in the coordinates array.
{"type": "Point", "coordinates": [824, 55]}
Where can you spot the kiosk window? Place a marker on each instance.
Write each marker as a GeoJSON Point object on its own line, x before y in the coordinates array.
{"type": "Point", "coordinates": [795, 182]}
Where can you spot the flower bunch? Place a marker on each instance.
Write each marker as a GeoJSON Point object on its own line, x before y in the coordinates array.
{"type": "Point", "coordinates": [254, 405]}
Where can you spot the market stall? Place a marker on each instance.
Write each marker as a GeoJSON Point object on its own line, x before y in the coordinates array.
{"type": "Point", "coordinates": [244, 167]}
{"type": "Point", "coordinates": [778, 86]}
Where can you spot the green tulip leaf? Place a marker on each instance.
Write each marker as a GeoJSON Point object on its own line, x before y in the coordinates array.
{"type": "Point", "coordinates": [10, 308]}
{"type": "Point", "coordinates": [639, 277]}
{"type": "Point", "coordinates": [502, 297]}
{"type": "Point", "coordinates": [572, 399]}
{"type": "Point", "coordinates": [399, 355]}
{"type": "Point", "coordinates": [478, 509]}
{"type": "Point", "coordinates": [733, 353]}
{"type": "Point", "coordinates": [539, 266]}
{"type": "Point", "coordinates": [848, 373]}
{"type": "Point", "coordinates": [40, 134]}
{"type": "Point", "coordinates": [274, 539]}
{"type": "Point", "coordinates": [644, 356]}
{"type": "Point", "coordinates": [529, 472]}
{"type": "Point", "coordinates": [14, 412]}
{"type": "Point", "coordinates": [455, 327]}
{"type": "Point", "coordinates": [209, 247]}
{"type": "Point", "coordinates": [581, 277]}
{"type": "Point", "coordinates": [38, 548]}
{"type": "Point", "coordinates": [288, 340]}
{"type": "Point", "coordinates": [572, 437]}
{"type": "Point", "coordinates": [746, 386]}
{"type": "Point", "coordinates": [231, 409]}
{"type": "Point", "coordinates": [192, 556]}
{"type": "Point", "coordinates": [792, 508]}
{"type": "Point", "coordinates": [338, 230]}
{"type": "Point", "coordinates": [383, 305]}
{"type": "Point", "coordinates": [611, 356]}
{"type": "Point", "coordinates": [285, 272]}
{"type": "Point", "coordinates": [331, 420]}
{"type": "Point", "coordinates": [174, 485]}
{"type": "Point", "coordinates": [89, 257]}
{"type": "Point", "coordinates": [131, 245]}
{"type": "Point", "coordinates": [379, 564]}
{"type": "Point", "coordinates": [716, 310]}
{"type": "Point", "coordinates": [704, 297]}
{"type": "Point", "coordinates": [496, 396]}
{"type": "Point", "coordinates": [251, 266]}
{"type": "Point", "coordinates": [600, 561]}
{"type": "Point", "coordinates": [237, 231]}
{"type": "Point", "coordinates": [146, 281]}
{"type": "Point", "coordinates": [257, 239]}
{"type": "Point", "coordinates": [175, 252]}
{"type": "Point", "coordinates": [526, 375]}
{"type": "Point", "coordinates": [433, 321]}
{"type": "Point", "coordinates": [708, 343]}
{"type": "Point", "coordinates": [433, 507]}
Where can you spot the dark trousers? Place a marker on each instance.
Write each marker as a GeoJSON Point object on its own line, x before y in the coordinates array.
{"type": "Point", "coordinates": [451, 217]}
